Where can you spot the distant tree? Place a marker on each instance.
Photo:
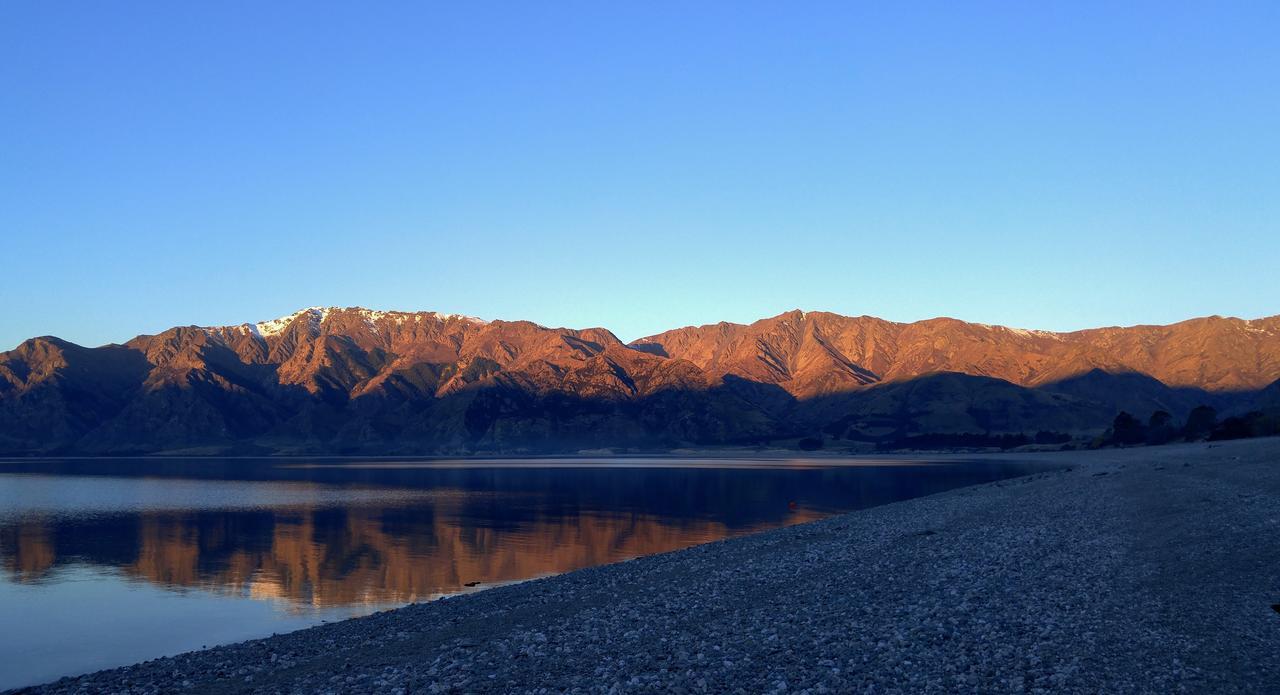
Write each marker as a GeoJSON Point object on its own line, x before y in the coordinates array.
{"type": "Point", "coordinates": [1127, 429]}
{"type": "Point", "coordinates": [1252, 424]}
{"type": "Point", "coordinates": [1200, 422]}
{"type": "Point", "coordinates": [1267, 424]}
{"type": "Point", "coordinates": [1047, 437]}
{"type": "Point", "coordinates": [1160, 428]}
{"type": "Point", "coordinates": [1009, 441]}
{"type": "Point", "coordinates": [957, 440]}
{"type": "Point", "coordinates": [1232, 428]}
{"type": "Point", "coordinates": [810, 444]}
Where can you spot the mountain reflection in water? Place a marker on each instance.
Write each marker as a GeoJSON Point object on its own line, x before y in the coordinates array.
{"type": "Point", "coordinates": [362, 555]}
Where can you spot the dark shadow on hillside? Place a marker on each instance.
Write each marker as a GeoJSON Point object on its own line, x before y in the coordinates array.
{"type": "Point", "coordinates": [107, 405]}
{"type": "Point", "coordinates": [650, 348]}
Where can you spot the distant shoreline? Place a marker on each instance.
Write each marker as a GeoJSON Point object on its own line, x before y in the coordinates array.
{"type": "Point", "coordinates": [710, 454]}
{"type": "Point", "coordinates": [1142, 569]}
{"type": "Point", "coordinates": [745, 453]}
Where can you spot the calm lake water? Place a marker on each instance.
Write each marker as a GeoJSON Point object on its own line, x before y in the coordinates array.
{"type": "Point", "coordinates": [105, 562]}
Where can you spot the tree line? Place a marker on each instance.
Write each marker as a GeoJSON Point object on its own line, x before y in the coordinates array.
{"type": "Point", "coordinates": [1201, 424]}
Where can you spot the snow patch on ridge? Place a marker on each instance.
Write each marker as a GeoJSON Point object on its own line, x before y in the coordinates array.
{"type": "Point", "coordinates": [1022, 332]}
{"type": "Point", "coordinates": [400, 317]}
{"type": "Point", "coordinates": [266, 329]}
{"type": "Point", "coordinates": [372, 318]}
{"type": "Point", "coordinates": [459, 317]}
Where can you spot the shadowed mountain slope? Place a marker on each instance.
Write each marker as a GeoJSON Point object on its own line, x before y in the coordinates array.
{"type": "Point", "coordinates": [812, 353]}
{"type": "Point", "coordinates": [360, 381]}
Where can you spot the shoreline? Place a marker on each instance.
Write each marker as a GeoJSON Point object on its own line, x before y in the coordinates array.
{"type": "Point", "coordinates": [1145, 569]}
{"type": "Point", "coordinates": [771, 453]}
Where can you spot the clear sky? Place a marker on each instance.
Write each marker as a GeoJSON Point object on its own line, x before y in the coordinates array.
{"type": "Point", "coordinates": [639, 166]}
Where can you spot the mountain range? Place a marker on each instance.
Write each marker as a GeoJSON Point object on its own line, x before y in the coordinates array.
{"type": "Point", "coordinates": [358, 381]}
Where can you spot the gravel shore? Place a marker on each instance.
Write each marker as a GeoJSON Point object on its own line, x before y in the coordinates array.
{"type": "Point", "coordinates": [1139, 570]}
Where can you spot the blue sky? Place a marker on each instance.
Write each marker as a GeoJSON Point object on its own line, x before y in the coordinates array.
{"type": "Point", "coordinates": [639, 166]}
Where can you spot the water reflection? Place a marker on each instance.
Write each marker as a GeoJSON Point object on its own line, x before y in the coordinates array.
{"type": "Point", "coordinates": [316, 537]}
{"type": "Point", "coordinates": [333, 556]}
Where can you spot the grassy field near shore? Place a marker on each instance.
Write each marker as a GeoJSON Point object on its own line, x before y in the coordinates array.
{"type": "Point", "coordinates": [1134, 570]}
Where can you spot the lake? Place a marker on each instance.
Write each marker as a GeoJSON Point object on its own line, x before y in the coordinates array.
{"type": "Point", "coordinates": [105, 562]}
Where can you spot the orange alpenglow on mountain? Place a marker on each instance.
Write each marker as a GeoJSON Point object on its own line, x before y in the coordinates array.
{"type": "Point", "coordinates": [329, 380]}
